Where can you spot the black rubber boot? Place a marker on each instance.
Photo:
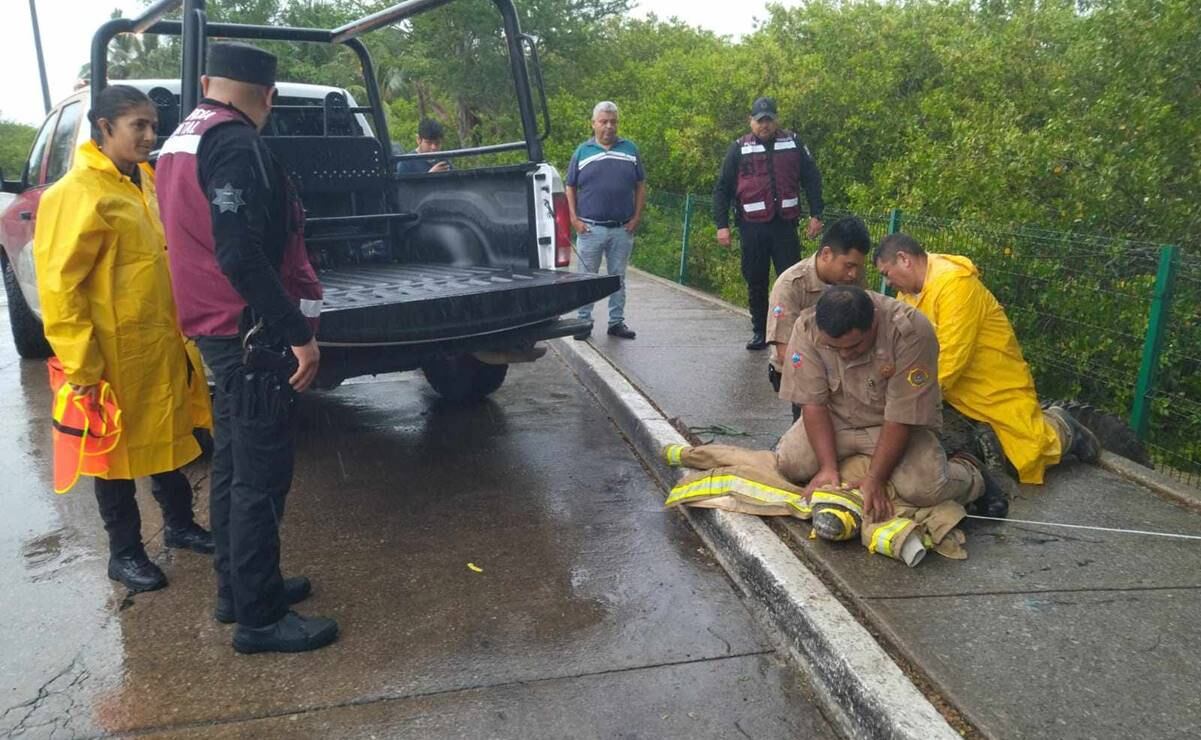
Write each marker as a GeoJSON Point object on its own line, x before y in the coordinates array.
{"type": "Point", "coordinates": [993, 502]}
{"type": "Point", "coordinates": [296, 590]}
{"type": "Point", "coordinates": [137, 573]}
{"type": "Point", "coordinates": [1085, 446]}
{"type": "Point", "coordinates": [758, 341]}
{"type": "Point", "coordinates": [292, 634]}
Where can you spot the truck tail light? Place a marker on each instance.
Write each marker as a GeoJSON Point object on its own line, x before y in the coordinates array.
{"type": "Point", "coordinates": [562, 231]}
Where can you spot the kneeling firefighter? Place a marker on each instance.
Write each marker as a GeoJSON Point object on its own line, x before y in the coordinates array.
{"type": "Point", "coordinates": [235, 234]}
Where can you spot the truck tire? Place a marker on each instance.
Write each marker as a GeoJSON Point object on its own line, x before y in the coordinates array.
{"type": "Point", "coordinates": [27, 327]}
{"type": "Point", "coordinates": [1114, 434]}
{"type": "Point", "coordinates": [461, 378]}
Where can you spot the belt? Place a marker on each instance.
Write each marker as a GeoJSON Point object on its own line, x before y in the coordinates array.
{"type": "Point", "coordinates": [610, 224]}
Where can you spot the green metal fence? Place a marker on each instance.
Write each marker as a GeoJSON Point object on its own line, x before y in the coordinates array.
{"type": "Point", "coordinates": [1111, 322]}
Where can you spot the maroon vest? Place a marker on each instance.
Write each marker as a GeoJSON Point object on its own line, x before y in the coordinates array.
{"type": "Point", "coordinates": [207, 302]}
{"type": "Point", "coordinates": [756, 198]}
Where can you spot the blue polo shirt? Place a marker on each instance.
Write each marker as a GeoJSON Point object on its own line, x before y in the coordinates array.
{"type": "Point", "coordinates": [605, 180]}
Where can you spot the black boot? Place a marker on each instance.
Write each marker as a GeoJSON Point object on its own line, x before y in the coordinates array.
{"type": "Point", "coordinates": [758, 341]}
{"type": "Point", "coordinates": [993, 502]}
{"type": "Point", "coordinates": [137, 573]}
{"type": "Point", "coordinates": [1085, 446]}
{"type": "Point", "coordinates": [192, 537]}
{"type": "Point", "coordinates": [292, 634]}
{"type": "Point", "coordinates": [296, 590]}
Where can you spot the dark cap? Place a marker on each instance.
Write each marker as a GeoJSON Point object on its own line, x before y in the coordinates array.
{"type": "Point", "coordinates": [241, 62]}
{"type": "Point", "coordinates": [762, 108]}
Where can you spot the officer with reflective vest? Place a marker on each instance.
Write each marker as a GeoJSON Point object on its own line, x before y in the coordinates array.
{"type": "Point", "coordinates": [763, 175]}
{"type": "Point", "coordinates": [246, 291]}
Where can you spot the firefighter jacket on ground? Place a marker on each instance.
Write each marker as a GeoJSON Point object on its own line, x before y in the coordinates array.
{"type": "Point", "coordinates": [108, 313]}
{"type": "Point", "coordinates": [747, 481]}
{"type": "Point", "coordinates": [980, 365]}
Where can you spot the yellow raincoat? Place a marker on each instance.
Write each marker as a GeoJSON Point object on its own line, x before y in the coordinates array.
{"type": "Point", "coordinates": [108, 311]}
{"type": "Point", "coordinates": [980, 364]}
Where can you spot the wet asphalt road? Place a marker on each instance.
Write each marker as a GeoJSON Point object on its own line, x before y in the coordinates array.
{"type": "Point", "coordinates": [597, 614]}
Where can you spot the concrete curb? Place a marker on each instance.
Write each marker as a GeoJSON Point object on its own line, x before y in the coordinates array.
{"type": "Point", "coordinates": [1174, 491]}
{"type": "Point", "coordinates": [859, 686]}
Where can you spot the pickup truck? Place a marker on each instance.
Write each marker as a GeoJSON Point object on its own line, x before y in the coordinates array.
{"type": "Point", "coordinates": [456, 273]}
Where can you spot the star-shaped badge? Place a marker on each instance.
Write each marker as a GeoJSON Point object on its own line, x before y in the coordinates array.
{"type": "Point", "coordinates": [228, 199]}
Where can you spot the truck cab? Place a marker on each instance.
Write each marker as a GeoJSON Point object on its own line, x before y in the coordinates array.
{"type": "Point", "coordinates": [456, 273]}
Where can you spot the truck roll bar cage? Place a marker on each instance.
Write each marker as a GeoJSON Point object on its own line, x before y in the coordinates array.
{"type": "Point", "coordinates": [195, 30]}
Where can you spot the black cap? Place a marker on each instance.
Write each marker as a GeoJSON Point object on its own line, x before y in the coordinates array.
{"type": "Point", "coordinates": [762, 108]}
{"type": "Point", "coordinates": [241, 62]}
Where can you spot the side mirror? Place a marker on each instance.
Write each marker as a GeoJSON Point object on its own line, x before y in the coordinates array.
{"type": "Point", "coordinates": [10, 186]}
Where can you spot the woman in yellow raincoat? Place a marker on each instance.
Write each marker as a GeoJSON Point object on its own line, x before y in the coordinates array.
{"type": "Point", "coordinates": [109, 314]}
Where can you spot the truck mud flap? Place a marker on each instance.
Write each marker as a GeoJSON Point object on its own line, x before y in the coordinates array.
{"type": "Point", "coordinates": [377, 305]}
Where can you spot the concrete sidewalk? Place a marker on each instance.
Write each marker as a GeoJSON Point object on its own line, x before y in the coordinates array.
{"type": "Point", "coordinates": [1043, 632]}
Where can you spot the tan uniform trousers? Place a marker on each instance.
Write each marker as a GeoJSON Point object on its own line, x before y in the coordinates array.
{"type": "Point", "coordinates": [923, 477]}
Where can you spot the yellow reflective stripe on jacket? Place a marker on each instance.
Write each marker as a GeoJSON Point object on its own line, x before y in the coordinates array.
{"type": "Point", "coordinates": [849, 525]}
{"type": "Point", "coordinates": [843, 499]}
{"type": "Point", "coordinates": [720, 485]}
{"type": "Point", "coordinates": [882, 538]}
{"type": "Point", "coordinates": [672, 454]}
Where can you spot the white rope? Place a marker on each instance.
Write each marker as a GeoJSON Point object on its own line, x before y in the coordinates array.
{"type": "Point", "coordinates": [1173, 535]}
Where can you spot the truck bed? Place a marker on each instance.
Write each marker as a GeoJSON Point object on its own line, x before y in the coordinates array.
{"type": "Point", "coordinates": [397, 304]}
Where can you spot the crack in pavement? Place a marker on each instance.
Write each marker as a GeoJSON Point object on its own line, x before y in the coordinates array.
{"type": "Point", "coordinates": [384, 698]}
{"type": "Point", "coordinates": [45, 692]}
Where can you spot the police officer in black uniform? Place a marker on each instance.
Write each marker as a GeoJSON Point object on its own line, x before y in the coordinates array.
{"type": "Point", "coordinates": [249, 202]}
{"type": "Point", "coordinates": [763, 174]}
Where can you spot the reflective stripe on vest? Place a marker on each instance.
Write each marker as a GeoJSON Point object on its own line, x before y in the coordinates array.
{"type": "Point", "coordinates": [769, 181]}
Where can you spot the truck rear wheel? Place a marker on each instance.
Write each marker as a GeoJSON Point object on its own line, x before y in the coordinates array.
{"type": "Point", "coordinates": [462, 378]}
{"type": "Point", "coordinates": [27, 327]}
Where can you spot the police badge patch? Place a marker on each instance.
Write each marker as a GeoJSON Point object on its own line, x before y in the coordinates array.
{"type": "Point", "coordinates": [228, 199]}
{"type": "Point", "coordinates": [918, 377]}
{"type": "Point", "coordinates": [796, 359]}
{"type": "Point", "coordinates": [777, 311]}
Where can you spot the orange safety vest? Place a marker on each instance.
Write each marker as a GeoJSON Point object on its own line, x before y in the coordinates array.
{"type": "Point", "coordinates": [83, 435]}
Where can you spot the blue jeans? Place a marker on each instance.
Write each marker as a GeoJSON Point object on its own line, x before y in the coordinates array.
{"type": "Point", "coordinates": [613, 243]}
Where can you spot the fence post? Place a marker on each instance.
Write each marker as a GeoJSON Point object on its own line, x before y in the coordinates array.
{"type": "Point", "coordinates": [683, 276]}
{"type": "Point", "coordinates": [1161, 303]}
{"type": "Point", "coordinates": [894, 225]}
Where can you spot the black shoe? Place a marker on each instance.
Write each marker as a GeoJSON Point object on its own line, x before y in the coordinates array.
{"type": "Point", "coordinates": [137, 573]}
{"type": "Point", "coordinates": [192, 537]}
{"type": "Point", "coordinates": [296, 590]}
{"type": "Point", "coordinates": [993, 502]}
{"type": "Point", "coordinates": [292, 634]}
{"type": "Point", "coordinates": [758, 341]}
{"type": "Point", "coordinates": [1085, 446]}
{"type": "Point", "coordinates": [623, 331]}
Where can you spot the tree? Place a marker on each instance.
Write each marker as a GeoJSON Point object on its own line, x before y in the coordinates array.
{"type": "Point", "coordinates": [15, 141]}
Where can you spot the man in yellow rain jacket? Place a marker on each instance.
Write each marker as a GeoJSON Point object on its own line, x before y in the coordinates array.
{"type": "Point", "coordinates": [981, 369]}
{"type": "Point", "coordinates": [109, 315]}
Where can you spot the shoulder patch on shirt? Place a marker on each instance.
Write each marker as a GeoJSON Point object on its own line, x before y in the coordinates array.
{"type": "Point", "coordinates": [918, 377]}
{"type": "Point", "coordinates": [796, 359]}
{"type": "Point", "coordinates": [228, 199]}
{"type": "Point", "coordinates": [777, 311]}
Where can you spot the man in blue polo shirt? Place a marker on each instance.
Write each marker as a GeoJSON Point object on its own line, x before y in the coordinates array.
{"type": "Point", "coordinates": [606, 190]}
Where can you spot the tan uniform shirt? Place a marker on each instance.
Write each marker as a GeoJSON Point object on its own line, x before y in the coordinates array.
{"type": "Point", "coordinates": [895, 380]}
{"type": "Point", "coordinates": [796, 290]}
